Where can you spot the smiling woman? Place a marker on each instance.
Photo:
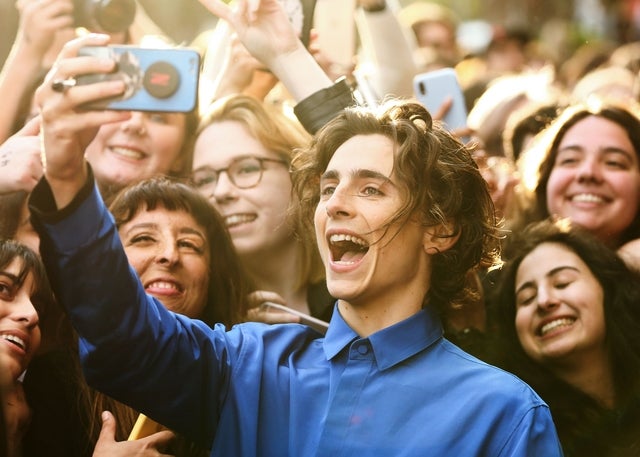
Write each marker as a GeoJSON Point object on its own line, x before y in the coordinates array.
{"type": "Point", "coordinates": [567, 322]}
{"type": "Point", "coordinates": [146, 145]}
{"type": "Point", "coordinates": [241, 164]}
{"type": "Point", "coordinates": [24, 296]}
{"type": "Point", "coordinates": [588, 170]}
{"type": "Point", "coordinates": [179, 247]}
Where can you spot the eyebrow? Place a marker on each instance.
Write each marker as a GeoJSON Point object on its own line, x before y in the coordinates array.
{"type": "Point", "coordinates": [154, 226]}
{"type": "Point", "coordinates": [606, 150]}
{"type": "Point", "coordinates": [13, 278]}
{"type": "Point", "coordinates": [359, 173]}
{"type": "Point", "coordinates": [548, 275]}
{"type": "Point", "coordinates": [16, 281]}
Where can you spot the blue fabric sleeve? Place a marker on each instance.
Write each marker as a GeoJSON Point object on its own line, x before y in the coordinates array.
{"type": "Point", "coordinates": [131, 347]}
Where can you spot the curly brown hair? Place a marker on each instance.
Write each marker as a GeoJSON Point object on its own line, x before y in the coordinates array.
{"type": "Point", "coordinates": [442, 182]}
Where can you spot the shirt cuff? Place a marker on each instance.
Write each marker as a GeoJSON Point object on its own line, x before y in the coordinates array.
{"type": "Point", "coordinates": [320, 107]}
{"type": "Point", "coordinates": [42, 203]}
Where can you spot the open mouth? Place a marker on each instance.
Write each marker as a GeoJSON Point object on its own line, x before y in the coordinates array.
{"type": "Point", "coordinates": [14, 340]}
{"type": "Point", "coordinates": [163, 287]}
{"type": "Point", "coordinates": [234, 220]}
{"type": "Point", "coordinates": [128, 152]}
{"type": "Point", "coordinates": [554, 325]}
{"type": "Point", "coordinates": [347, 249]}
{"type": "Point", "coordinates": [588, 198]}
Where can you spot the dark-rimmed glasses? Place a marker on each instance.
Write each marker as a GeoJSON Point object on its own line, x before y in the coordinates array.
{"type": "Point", "coordinates": [243, 172]}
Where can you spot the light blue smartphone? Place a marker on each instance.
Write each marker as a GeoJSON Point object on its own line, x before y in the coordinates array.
{"type": "Point", "coordinates": [164, 80]}
{"type": "Point", "coordinates": [432, 89]}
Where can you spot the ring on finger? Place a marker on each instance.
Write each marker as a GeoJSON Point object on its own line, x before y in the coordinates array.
{"type": "Point", "coordinates": [63, 85]}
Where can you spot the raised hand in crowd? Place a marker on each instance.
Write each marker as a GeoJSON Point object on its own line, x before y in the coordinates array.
{"type": "Point", "coordinates": [40, 23]}
{"type": "Point", "coordinates": [67, 129]}
{"type": "Point", "coordinates": [265, 30]}
{"type": "Point", "coordinates": [20, 159]}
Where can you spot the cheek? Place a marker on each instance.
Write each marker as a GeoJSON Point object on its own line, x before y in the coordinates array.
{"type": "Point", "coordinates": [36, 339]}
{"type": "Point", "coordinates": [138, 259]}
{"type": "Point", "coordinates": [319, 219]}
{"type": "Point", "coordinates": [523, 326]}
{"type": "Point", "coordinates": [167, 141]}
{"type": "Point", "coordinates": [198, 267]}
{"type": "Point", "coordinates": [558, 181]}
{"type": "Point", "coordinates": [628, 186]}
{"type": "Point", "coordinates": [169, 150]}
{"type": "Point", "coordinates": [98, 144]}
{"type": "Point", "coordinates": [201, 272]}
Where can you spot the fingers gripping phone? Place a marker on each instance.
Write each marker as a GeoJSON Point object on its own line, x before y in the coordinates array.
{"type": "Point", "coordinates": [156, 79]}
{"type": "Point", "coordinates": [434, 87]}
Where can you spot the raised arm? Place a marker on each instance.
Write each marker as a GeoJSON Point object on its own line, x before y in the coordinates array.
{"type": "Point", "coordinates": [39, 23]}
{"type": "Point", "coordinates": [67, 129]}
{"type": "Point", "coordinates": [264, 28]}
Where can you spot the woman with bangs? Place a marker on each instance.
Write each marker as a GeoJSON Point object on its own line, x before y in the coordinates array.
{"type": "Point", "coordinates": [178, 246]}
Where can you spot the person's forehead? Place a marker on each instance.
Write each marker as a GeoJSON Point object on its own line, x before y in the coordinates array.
{"type": "Point", "coordinates": [372, 152]}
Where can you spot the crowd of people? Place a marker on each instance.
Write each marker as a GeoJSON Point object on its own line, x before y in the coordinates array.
{"type": "Point", "coordinates": [310, 262]}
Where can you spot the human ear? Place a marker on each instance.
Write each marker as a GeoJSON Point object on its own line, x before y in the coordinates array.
{"type": "Point", "coordinates": [439, 238]}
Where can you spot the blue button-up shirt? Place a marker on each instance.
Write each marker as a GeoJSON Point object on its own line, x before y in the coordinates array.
{"type": "Point", "coordinates": [280, 390]}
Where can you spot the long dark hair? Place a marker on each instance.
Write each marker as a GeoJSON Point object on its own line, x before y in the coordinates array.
{"type": "Point", "coordinates": [582, 423]}
{"type": "Point", "coordinates": [624, 116]}
{"type": "Point", "coordinates": [42, 296]}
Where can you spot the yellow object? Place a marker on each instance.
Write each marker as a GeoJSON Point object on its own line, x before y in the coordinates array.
{"type": "Point", "coordinates": [144, 427]}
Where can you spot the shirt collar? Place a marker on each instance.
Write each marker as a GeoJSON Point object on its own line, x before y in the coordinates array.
{"type": "Point", "coordinates": [390, 345]}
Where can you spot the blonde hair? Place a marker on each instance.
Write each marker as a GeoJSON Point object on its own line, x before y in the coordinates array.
{"type": "Point", "coordinates": [283, 136]}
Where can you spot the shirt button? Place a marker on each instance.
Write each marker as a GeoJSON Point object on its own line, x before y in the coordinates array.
{"type": "Point", "coordinates": [363, 349]}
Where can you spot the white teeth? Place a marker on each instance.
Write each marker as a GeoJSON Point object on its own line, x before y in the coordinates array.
{"type": "Point", "coordinates": [14, 339]}
{"type": "Point", "coordinates": [162, 285]}
{"type": "Point", "coordinates": [555, 324]}
{"type": "Point", "coordinates": [126, 152]}
{"type": "Point", "coordinates": [587, 198]}
{"type": "Point", "coordinates": [236, 219]}
{"type": "Point", "coordinates": [336, 238]}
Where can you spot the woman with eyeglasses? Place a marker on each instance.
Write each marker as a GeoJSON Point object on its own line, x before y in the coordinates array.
{"type": "Point", "coordinates": [241, 163]}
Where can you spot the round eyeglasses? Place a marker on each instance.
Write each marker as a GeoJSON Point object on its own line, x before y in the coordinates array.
{"type": "Point", "coordinates": [243, 172]}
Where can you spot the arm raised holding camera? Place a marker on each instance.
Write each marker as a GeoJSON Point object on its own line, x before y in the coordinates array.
{"type": "Point", "coordinates": [67, 129]}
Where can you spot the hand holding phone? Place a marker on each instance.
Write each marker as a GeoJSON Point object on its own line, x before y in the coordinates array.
{"type": "Point", "coordinates": [436, 88]}
{"type": "Point", "coordinates": [164, 80]}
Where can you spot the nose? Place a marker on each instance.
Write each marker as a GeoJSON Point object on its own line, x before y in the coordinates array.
{"type": "Point", "coordinates": [167, 254]}
{"type": "Point", "coordinates": [223, 190]}
{"type": "Point", "coordinates": [135, 125]}
{"type": "Point", "coordinates": [338, 204]}
{"type": "Point", "coordinates": [589, 170]}
{"type": "Point", "coordinates": [547, 300]}
{"type": "Point", "coordinates": [24, 311]}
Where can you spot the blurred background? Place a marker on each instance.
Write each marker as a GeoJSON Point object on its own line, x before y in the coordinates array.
{"type": "Point", "coordinates": [566, 24]}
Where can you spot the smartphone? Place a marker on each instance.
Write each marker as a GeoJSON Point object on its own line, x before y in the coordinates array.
{"type": "Point", "coordinates": [434, 87]}
{"type": "Point", "coordinates": [164, 80]}
{"type": "Point", "coordinates": [334, 21]}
